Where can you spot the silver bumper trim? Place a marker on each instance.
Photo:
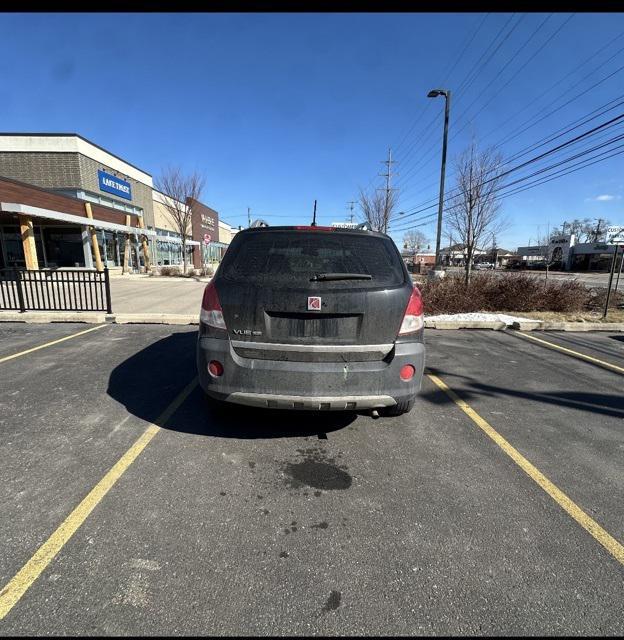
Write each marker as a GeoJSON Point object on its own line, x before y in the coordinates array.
{"type": "Point", "coordinates": [311, 403]}
{"type": "Point", "coordinates": [313, 348]}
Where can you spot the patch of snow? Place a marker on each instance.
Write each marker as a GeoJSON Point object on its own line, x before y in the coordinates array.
{"type": "Point", "coordinates": [480, 317]}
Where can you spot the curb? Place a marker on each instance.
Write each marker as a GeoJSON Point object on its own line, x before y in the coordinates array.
{"type": "Point", "coordinates": [193, 319]}
{"type": "Point", "coordinates": [525, 325]}
{"type": "Point", "coordinates": [99, 318]}
{"type": "Point", "coordinates": [57, 316]}
{"type": "Point", "coordinates": [155, 318]}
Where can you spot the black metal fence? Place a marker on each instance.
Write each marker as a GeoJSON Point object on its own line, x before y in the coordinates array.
{"type": "Point", "coordinates": [54, 290]}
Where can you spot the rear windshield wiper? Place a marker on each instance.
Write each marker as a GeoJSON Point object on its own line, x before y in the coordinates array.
{"type": "Point", "coordinates": [341, 276]}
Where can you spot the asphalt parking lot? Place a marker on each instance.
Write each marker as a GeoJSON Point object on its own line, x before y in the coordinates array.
{"type": "Point", "coordinates": [254, 523]}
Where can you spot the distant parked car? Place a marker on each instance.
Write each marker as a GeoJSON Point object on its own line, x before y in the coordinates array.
{"type": "Point", "coordinates": [481, 266]}
{"type": "Point", "coordinates": [539, 265]}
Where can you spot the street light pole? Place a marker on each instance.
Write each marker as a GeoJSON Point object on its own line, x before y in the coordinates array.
{"type": "Point", "coordinates": [434, 93]}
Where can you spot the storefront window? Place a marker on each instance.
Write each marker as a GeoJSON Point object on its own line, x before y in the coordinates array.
{"type": "Point", "coordinates": [63, 246]}
{"type": "Point", "coordinates": [12, 249]}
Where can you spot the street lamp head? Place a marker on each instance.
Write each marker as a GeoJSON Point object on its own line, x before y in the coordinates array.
{"type": "Point", "coordinates": [434, 93]}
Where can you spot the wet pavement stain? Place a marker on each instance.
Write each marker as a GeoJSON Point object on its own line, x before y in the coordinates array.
{"type": "Point", "coordinates": [320, 475]}
{"type": "Point", "coordinates": [320, 525]}
{"type": "Point", "coordinates": [317, 470]}
{"type": "Point", "coordinates": [333, 602]}
{"type": "Point", "coordinates": [283, 554]}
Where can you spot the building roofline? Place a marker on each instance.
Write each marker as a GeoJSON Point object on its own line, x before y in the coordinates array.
{"type": "Point", "coordinates": [74, 135]}
{"type": "Point", "coordinates": [59, 193]}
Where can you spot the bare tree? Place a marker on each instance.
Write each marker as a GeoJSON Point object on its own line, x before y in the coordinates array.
{"type": "Point", "coordinates": [596, 233]}
{"type": "Point", "coordinates": [473, 215]}
{"type": "Point", "coordinates": [585, 230]}
{"type": "Point", "coordinates": [414, 240]}
{"type": "Point", "coordinates": [377, 209]}
{"type": "Point", "coordinates": [182, 192]}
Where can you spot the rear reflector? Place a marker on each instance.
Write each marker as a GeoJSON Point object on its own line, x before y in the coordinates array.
{"type": "Point", "coordinates": [413, 319]}
{"type": "Point", "coordinates": [211, 312]}
{"type": "Point", "coordinates": [407, 372]}
{"type": "Point", "coordinates": [215, 368]}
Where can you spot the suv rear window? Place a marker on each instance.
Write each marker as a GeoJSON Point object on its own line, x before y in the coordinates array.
{"type": "Point", "coordinates": [294, 257]}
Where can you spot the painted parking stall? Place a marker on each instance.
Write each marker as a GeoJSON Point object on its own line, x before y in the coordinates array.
{"type": "Point", "coordinates": [158, 515]}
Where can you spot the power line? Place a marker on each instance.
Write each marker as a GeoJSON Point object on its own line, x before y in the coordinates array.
{"type": "Point", "coordinates": [423, 161]}
{"type": "Point", "coordinates": [388, 189]}
{"type": "Point", "coordinates": [551, 137]}
{"type": "Point", "coordinates": [515, 75]}
{"type": "Point", "coordinates": [463, 84]}
{"type": "Point", "coordinates": [446, 76]}
{"type": "Point", "coordinates": [607, 124]}
{"type": "Point", "coordinates": [536, 183]}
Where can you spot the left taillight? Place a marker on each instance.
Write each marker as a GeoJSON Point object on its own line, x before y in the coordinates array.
{"type": "Point", "coordinates": [413, 318]}
{"type": "Point", "coordinates": [211, 312]}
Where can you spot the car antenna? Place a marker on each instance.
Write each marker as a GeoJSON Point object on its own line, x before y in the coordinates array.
{"type": "Point", "coordinates": [314, 216]}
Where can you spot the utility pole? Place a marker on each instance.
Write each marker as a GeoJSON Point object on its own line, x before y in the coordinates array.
{"type": "Point", "coordinates": [388, 176]}
{"type": "Point", "coordinates": [434, 93]}
{"type": "Point", "coordinates": [547, 246]}
{"type": "Point", "coordinates": [351, 208]}
{"type": "Point", "coordinates": [606, 307]}
{"type": "Point", "coordinates": [249, 216]}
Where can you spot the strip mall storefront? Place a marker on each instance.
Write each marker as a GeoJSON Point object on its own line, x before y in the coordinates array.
{"type": "Point", "coordinates": [40, 228]}
{"type": "Point", "coordinates": [128, 228]}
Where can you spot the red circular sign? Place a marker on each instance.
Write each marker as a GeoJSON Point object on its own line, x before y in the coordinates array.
{"type": "Point", "coordinates": [207, 238]}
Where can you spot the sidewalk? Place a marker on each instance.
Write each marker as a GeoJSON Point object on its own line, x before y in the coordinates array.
{"type": "Point", "coordinates": [139, 294]}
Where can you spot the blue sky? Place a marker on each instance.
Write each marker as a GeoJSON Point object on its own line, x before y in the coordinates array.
{"type": "Point", "coordinates": [279, 109]}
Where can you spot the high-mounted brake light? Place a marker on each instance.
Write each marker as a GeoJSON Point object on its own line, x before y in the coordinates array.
{"type": "Point", "coordinates": [211, 312]}
{"type": "Point", "coordinates": [413, 319]}
{"type": "Point", "coordinates": [314, 228]}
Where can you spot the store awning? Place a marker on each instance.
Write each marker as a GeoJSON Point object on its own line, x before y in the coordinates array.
{"type": "Point", "coordinates": [49, 214]}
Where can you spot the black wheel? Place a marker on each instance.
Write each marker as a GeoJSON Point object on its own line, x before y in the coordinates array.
{"type": "Point", "coordinates": [404, 406]}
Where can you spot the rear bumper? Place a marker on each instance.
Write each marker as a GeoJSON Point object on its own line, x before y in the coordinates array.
{"type": "Point", "coordinates": [309, 385]}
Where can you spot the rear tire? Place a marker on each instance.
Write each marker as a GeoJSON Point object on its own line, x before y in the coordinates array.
{"type": "Point", "coordinates": [404, 406]}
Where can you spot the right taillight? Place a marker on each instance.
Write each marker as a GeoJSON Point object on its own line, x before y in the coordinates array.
{"type": "Point", "coordinates": [211, 312]}
{"type": "Point", "coordinates": [413, 319]}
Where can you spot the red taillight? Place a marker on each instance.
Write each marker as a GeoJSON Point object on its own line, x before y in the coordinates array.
{"type": "Point", "coordinates": [211, 312]}
{"type": "Point", "coordinates": [215, 368]}
{"type": "Point", "coordinates": [407, 372]}
{"type": "Point", "coordinates": [413, 319]}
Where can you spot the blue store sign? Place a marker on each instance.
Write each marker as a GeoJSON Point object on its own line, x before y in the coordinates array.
{"type": "Point", "coordinates": [114, 185]}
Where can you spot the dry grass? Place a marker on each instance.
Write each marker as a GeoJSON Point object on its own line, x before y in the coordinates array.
{"type": "Point", "coordinates": [516, 293]}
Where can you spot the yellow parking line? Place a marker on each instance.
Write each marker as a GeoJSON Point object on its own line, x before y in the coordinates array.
{"type": "Point", "coordinates": [589, 524]}
{"type": "Point", "coordinates": [23, 579]}
{"type": "Point", "coordinates": [576, 354]}
{"type": "Point", "coordinates": [49, 344]}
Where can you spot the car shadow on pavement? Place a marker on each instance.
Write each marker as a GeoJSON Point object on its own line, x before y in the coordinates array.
{"type": "Point", "coordinates": [149, 380]}
{"type": "Point", "coordinates": [600, 403]}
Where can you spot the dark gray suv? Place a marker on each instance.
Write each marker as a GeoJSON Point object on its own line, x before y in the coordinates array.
{"type": "Point", "coordinates": [315, 318]}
